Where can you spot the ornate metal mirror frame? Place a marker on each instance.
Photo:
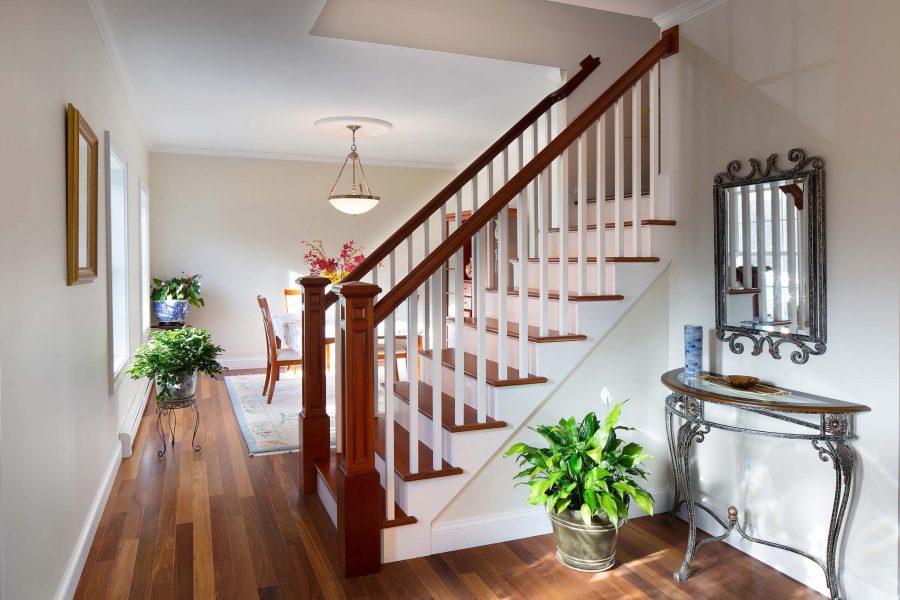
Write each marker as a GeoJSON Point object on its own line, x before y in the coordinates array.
{"type": "Point", "coordinates": [813, 340]}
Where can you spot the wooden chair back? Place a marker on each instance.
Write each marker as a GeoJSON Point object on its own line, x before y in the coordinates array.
{"type": "Point", "coordinates": [292, 297]}
{"type": "Point", "coordinates": [271, 346]}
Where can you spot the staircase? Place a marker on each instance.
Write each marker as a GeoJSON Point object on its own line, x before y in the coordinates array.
{"type": "Point", "coordinates": [560, 249]}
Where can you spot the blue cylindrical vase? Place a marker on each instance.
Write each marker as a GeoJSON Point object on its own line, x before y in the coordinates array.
{"type": "Point", "coordinates": [693, 350]}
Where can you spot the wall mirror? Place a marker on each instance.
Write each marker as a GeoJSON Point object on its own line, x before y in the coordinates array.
{"type": "Point", "coordinates": [770, 256]}
{"type": "Point", "coordinates": [81, 199]}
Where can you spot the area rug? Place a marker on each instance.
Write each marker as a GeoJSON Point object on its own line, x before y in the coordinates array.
{"type": "Point", "coordinates": [269, 428]}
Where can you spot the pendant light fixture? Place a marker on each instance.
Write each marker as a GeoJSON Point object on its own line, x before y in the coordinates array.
{"type": "Point", "coordinates": [360, 198]}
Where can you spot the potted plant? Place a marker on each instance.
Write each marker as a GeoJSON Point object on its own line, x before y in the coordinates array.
{"type": "Point", "coordinates": [586, 477]}
{"type": "Point", "coordinates": [173, 359]}
{"type": "Point", "coordinates": [172, 297]}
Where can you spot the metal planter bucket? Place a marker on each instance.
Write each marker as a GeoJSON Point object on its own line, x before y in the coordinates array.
{"type": "Point", "coordinates": [183, 388]}
{"type": "Point", "coordinates": [584, 547]}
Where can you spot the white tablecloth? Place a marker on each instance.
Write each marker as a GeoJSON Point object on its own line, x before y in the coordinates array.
{"type": "Point", "coordinates": [288, 326]}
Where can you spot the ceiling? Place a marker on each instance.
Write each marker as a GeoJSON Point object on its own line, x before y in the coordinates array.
{"type": "Point", "coordinates": [238, 77]}
{"type": "Point", "coordinates": [635, 8]}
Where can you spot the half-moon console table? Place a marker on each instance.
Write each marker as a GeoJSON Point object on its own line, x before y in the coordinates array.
{"type": "Point", "coordinates": [826, 424]}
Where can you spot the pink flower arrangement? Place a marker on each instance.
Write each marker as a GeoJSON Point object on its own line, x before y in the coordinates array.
{"type": "Point", "coordinates": [336, 268]}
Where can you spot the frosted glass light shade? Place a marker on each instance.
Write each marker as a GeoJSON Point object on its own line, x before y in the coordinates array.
{"type": "Point", "coordinates": [353, 204]}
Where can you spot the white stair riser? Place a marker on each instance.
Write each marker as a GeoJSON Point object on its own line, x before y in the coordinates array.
{"type": "Point", "coordinates": [553, 270]}
{"type": "Point", "coordinates": [470, 394]}
{"type": "Point", "coordinates": [609, 209]}
{"type": "Point", "coordinates": [401, 412]}
{"type": "Point", "coordinates": [493, 346]}
{"type": "Point", "coordinates": [609, 241]}
{"type": "Point", "coordinates": [534, 307]}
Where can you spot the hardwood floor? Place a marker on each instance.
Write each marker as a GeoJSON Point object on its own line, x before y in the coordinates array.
{"type": "Point", "coordinates": [222, 524]}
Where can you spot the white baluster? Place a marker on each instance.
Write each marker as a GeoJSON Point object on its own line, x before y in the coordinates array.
{"type": "Point", "coordinates": [600, 205]}
{"type": "Point", "coordinates": [562, 197]}
{"type": "Point", "coordinates": [534, 233]}
{"type": "Point", "coordinates": [426, 292]}
{"type": "Point", "coordinates": [763, 298]}
{"type": "Point", "coordinates": [776, 249]}
{"type": "Point", "coordinates": [790, 213]}
{"type": "Point", "coordinates": [522, 231]}
{"type": "Point", "coordinates": [502, 273]}
{"type": "Point", "coordinates": [479, 262]}
{"type": "Point", "coordinates": [745, 237]}
{"type": "Point", "coordinates": [582, 215]}
{"type": "Point", "coordinates": [654, 137]}
{"type": "Point", "coordinates": [636, 197]}
{"type": "Point", "coordinates": [458, 324]}
{"type": "Point", "coordinates": [437, 338]}
{"type": "Point", "coordinates": [544, 249]}
{"type": "Point", "coordinates": [389, 399]}
{"type": "Point", "coordinates": [734, 205]}
{"type": "Point", "coordinates": [619, 176]}
{"type": "Point", "coordinates": [412, 376]}
{"type": "Point", "coordinates": [489, 238]}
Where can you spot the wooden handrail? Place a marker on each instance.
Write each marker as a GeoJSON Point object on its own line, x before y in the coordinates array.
{"type": "Point", "coordinates": [666, 46]}
{"type": "Point", "coordinates": [379, 254]}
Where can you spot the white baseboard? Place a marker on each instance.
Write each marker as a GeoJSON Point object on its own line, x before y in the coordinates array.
{"type": "Point", "coordinates": [66, 589]}
{"type": "Point", "coordinates": [244, 362]}
{"type": "Point", "coordinates": [328, 501]}
{"type": "Point", "coordinates": [792, 565]}
{"type": "Point", "coordinates": [132, 421]}
{"type": "Point", "coordinates": [492, 529]}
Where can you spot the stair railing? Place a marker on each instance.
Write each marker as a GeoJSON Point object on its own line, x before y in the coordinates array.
{"type": "Point", "coordinates": [514, 200]}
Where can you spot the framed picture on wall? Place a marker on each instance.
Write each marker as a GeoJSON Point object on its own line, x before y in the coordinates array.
{"type": "Point", "coordinates": [81, 199]}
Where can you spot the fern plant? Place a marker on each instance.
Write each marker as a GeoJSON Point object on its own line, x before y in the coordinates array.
{"type": "Point", "coordinates": [168, 355]}
{"type": "Point", "coordinates": [585, 467]}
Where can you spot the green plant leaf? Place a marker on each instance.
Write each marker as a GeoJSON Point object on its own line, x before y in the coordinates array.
{"type": "Point", "coordinates": [595, 454]}
{"type": "Point", "coordinates": [591, 500]}
{"type": "Point", "coordinates": [538, 488]}
{"type": "Point", "coordinates": [518, 448]}
{"type": "Point", "coordinates": [631, 449]}
{"type": "Point", "coordinates": [589, 426]}
{"type": "Point", "coordinates": [562, 504]}
{"type": "Point", "coordinates": [575, 464]}
{"type": "Point", "coordinates": [644, 501]}
{"type": "Point", "coordinates": [586, 514]}
{"type": "Point", "coordinates": [608, 504]}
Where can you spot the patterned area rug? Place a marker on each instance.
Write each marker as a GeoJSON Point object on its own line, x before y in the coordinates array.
{"type": "Point", "coordinates": [272, 427]}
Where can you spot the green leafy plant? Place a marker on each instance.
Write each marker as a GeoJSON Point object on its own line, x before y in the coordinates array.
{"type": "Point", "coordinates": [586, 467]}
{"type": "Point", "coordinates": [170, 354]}
{"type": "Point", "coordinates": [178, 288]}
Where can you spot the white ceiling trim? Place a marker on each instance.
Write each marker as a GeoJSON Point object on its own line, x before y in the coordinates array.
{"type": "Point", "coordinates": [683, 12]}
{"type": "Point", "coordinates": [300, 157]}
{"type": "Point", "coordinates": [112, 49]}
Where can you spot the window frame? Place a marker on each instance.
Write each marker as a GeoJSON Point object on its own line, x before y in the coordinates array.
{"type": "Point", "coordinates": [144, 258]}
{"type": "Point", "coordinates": [117, 371]}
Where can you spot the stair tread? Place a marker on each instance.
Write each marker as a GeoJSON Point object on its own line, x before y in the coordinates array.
{"type": "Point", "coordinates": [328, 469]}
{"type": "Point", "coordinates": [554, 260]}
{"type": "Point", "coordinates": [626, 224]}
{"type": "Point", "coordinates": [470, 368]}
{"type": "Point", "coordinates": [426, 407]}
{"type": "Point", "coordinates": [573, 297]}
{"type": "Point", "coordinates": [492, 325]}
{"type": "Point", "coordinates": [401, 454]}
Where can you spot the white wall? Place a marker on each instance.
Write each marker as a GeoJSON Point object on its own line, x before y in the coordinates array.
{"type": "Point", "coordinates": [59, 423]}
{"type": "Point", "coordinates": [763, 76]}
{"type": "Point", "coordinates": [239, 222]}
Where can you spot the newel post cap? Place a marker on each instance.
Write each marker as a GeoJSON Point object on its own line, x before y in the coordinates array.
{"type": "Point", "coordinates": [356, 289]}
{"type": "Point", "coordinates": [313, 281]}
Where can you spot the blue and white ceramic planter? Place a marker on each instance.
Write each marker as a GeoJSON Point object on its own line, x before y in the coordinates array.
{"type": "Point", "coordinates": [693, 351]}
{"type": "Point", "coordinates": [171, 311]}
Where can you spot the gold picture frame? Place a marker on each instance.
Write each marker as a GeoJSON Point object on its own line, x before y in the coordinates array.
{"type": "Point", "coordinates": [82, 158]}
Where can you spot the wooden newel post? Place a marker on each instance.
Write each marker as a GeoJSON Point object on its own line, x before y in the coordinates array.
{"type": "Point", "coordinates": [314, 421]}
{"type": "Point", "coordinates": [359, 510]}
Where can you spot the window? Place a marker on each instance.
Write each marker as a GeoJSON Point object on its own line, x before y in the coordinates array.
{"type": "Point", "coordinates": [117, 257]}
{"type": "Point", "coordinates": [145, 259]}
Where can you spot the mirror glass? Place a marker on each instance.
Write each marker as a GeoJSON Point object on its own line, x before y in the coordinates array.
{"type": "Point", "coordinates": [767, 256]}
{"type": "Point", "coordinates": [84, 149]}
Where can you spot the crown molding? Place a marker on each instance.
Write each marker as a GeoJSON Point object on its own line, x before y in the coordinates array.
{"type": "Point", "coordinates": [101, 19]}
{"type": "Point", "coordinates": [410, 164]}
{"type": "Point", "coordinates": [684, 12]}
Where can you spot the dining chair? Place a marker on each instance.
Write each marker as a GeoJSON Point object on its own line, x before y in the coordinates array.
{"type": "Point", "coordinates": [275, 357]}
{"type": "Point", "coordinates": [293, 303]}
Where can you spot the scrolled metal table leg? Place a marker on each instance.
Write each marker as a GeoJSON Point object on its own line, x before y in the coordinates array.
{"type": "Point", "coordinates": [173, 422]}
{"type": "Point", "coordinates": [160, 430]}
{"type": "Point", "coordinates": [687, 434]}
{"type": "Point", "coordinates": [842, 459]}
{"type": "Point", "coordinates": [670, 437]}
{"type": "Point", "coordinates": [196, 410]}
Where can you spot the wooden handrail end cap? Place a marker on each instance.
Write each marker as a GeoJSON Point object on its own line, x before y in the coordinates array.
{"type": "Point", "coordinates": [353, 289]}
{"type": "Point", "coordinates": [313, 281]}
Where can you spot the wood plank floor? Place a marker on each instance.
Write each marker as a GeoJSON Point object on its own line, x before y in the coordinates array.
{"type": "Point", "coordinates": [222, 524]}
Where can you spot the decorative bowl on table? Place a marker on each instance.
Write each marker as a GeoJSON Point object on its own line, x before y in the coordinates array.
{"type": "Point", "coordinates": [742, 382]}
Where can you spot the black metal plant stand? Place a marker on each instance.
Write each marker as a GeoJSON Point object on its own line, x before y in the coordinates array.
{"type": "Point", "coordinates": [167, 410]}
